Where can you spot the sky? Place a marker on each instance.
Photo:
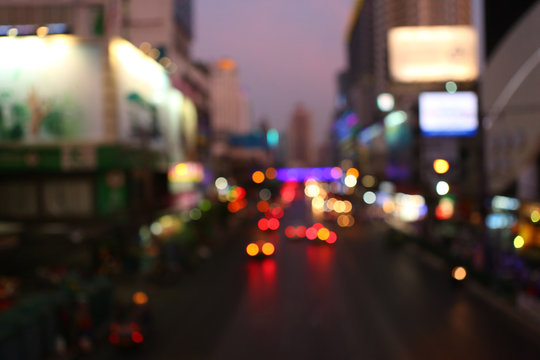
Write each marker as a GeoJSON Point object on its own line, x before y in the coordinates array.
{"type": "Point", "coordinates": [287, 52]}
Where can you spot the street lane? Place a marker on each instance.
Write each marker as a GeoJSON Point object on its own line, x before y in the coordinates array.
{"type": "Point", "coordinates": [358, 299]}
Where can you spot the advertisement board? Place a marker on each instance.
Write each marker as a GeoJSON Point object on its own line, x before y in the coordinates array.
{"type": "Point", "coordinates": [433, 53]}
{"type": "Point", "coordinates": [445, 114]}
{"type": "Point", "coordinates": [41, 97]}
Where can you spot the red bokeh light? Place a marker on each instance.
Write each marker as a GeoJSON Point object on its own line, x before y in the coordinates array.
{"type": "Point", "coordinates": [332, 238]}
{"type": "Point", "coordinates": [290, 231]}
{"type": "Point", "coordinates": [318, 226]}
{"type": "Point", "coordinates": [301, 231]}
{"type": "Point", "coordinates": [137, 337]}
{"type": "Point", "coordinates": [273, 224]}
{"type": "Point", "coordinates": [311, 233]}
{"type": "Point", "coordinates": [263, 224]}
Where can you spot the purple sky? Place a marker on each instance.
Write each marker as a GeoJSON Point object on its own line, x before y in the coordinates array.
{"type": "Point", "coordinates": [288, 51]}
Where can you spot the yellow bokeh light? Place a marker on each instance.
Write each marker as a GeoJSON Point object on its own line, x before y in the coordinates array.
{"type": "Point", "coordinates": [441, 166]}
{"type": "Point", "coordinates": [323, 234]}
{"type": "Point", "coordinates": [42, 31]}
{"type": "Point", "coordinates": [271, 173]}
{"type": "Point", "coordinates": [535, 216]}
{"type": "Point", "coordinates": [257, 177]}
{"type": "Point", "coordinates": [519, 241]}
{"type": "Point", "coordinates": [459, 273]}
{"type": "Point", "coordinates": [268, 249]}
{"type": "Point", "coordinates": [317, 203]}
{"type": "Point", "coordinates": [252, 249]}
{"type": "Point", "coordinates": [339, 206]}
{"type": "Point", "coordinates": [312, 190]}
{"type": "Point", "coordinates": [140, 298]}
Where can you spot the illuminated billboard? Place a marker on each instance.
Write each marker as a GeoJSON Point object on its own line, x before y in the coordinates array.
{"type": "Point", "coordinates": [433, 53]}
{"type": "Point", "coordinates": [445, 114]}
{"type": "Point", "coordinates": [50, 89]}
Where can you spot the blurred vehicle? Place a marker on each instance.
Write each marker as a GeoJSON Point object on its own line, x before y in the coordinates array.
{"type": "Point", "coordinates": [260, 248]}
{"type": "Point", "coordinates": [131, 323]}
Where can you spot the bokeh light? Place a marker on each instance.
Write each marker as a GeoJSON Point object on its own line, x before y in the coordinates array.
{"type": "Point", "coordinates": [263, 224]}
{"type": "Point", "coordinates": [459, 273]}
{"type": "Point", "coordinates": [257, 177]}
{"type": "Point", "coordinates": [290, 231]}
{"type": "Point", "coordinates": [265, 194]}
{"type": "Point", "coordinates": [451, 87]}
{"type": "Point", "coordinates": [519, 241]}
{"type": "Point", "coordinates": [263, 206]}
{"type": "Point", "coordinates": [369, 197]}
{"type": "Point", "coordinates": [323, 234]}
{"type": "Point", "coordinates": [354, 172]}
{"type": "Point", "coordinates": [441, 166]}
{"type": "Point", "coordinates": [442, 188]}
{"type": "Point", "coordinates": [350, 181]}
{"type": "Point", "coordinates": [221, 183]}
{"type": "Point", "coordinates": [268, 249]}
{"type": "Point", "coordinates": [140, 298]}
{"type": "Point", "coordinates": [332, 237]}
{"type": "Point", "coordinates": [273, 224]}
{"type": "Point", "coordinates": [535, 216]}
{"type": "Point", "coordinates": [311, 233]}
{"type": "Point", "coordinates": [252, 249]}
{"type": "Point", "coordinates": [301, 231]}
{"type": "Point", "coordinates": [271, 173]}
{"type": "Point", "coordinates": [368, 181]}
{"type": "Point", "coordinates": [336, 173]}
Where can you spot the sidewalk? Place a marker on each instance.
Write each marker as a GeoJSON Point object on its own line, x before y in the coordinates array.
{"type": "Point", "coordinates": [526, 311]}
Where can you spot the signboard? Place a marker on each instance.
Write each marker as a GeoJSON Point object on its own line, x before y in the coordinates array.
{"type": "Point", "coordinates": [445, 114]}
{"type": "Point", "coordinates": [41, 97]}
{"type": "Point", "coordinates": [433, 53]}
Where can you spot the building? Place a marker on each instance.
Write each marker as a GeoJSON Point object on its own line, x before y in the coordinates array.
{"type": "Point", "coordinates": [408, 155]}
{"type": "Point", "coordinates": [300, 138]}
{"type": "Point", "coordinates": [230, 106]}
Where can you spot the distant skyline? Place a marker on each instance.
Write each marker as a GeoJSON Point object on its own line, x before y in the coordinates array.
{"type": "Point", "coordinates": [288, 52]}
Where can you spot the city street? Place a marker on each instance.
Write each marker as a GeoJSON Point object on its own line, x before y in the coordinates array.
{"type": "Point", "coordinates": [357, 299]}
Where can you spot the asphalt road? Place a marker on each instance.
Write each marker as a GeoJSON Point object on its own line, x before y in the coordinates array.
{"type": "Point", "coordinates": [357, 299]}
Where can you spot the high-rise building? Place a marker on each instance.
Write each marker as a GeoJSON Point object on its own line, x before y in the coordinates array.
{"type": "Point", "coordinates": [300, 138]}
{"type": "Point", "coordinates": [230, 106]}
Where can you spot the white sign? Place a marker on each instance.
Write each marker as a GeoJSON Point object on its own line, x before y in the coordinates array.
{"type": "Point", "coordinates": [433, 53]}
{"type": "Point", "coordinates": [444, 114]}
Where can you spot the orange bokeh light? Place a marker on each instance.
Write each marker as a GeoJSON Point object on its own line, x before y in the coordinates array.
{"type": "Point", "coordinates": [257, 177]}
{"type": "Point", "coordinates": [268, 249]}
{"type": "Point", "coordinates": [271, 173]}
{"type": "Point", "coordinates": [140, 298]}
{"type": "Point", "coordinates": [252, 249]}
{"type": "Point", "coordinates": [263, 206]}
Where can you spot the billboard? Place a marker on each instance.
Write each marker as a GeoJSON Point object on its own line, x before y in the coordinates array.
{"type": "Point", "coordinates": [433, 53]}
{"type": "Point", "coordinates": [41, 97]}
{"type": "Point", "coordinates": [445, 114]}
